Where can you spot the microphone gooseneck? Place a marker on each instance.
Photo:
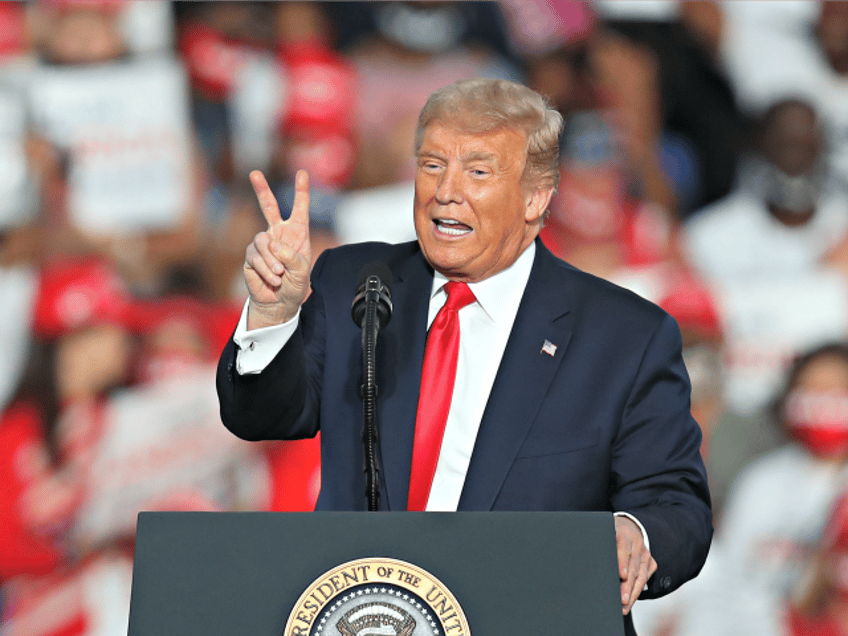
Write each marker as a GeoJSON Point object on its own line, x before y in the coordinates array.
{"type": "Point", "coordinates": [371, 311]}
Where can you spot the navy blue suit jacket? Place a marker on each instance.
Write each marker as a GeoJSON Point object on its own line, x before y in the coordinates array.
{"type": "Point", "coordinates": [603, 424]}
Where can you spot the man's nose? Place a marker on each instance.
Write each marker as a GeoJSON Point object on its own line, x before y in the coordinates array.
{"type": "Point", "coordinates": [449, 187]}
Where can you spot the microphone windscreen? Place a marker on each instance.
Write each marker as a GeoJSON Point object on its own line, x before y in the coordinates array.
{"type": "Point", "coordinates": [378, 269]}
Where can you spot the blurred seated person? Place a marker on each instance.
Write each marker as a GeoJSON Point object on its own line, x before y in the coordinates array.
{"type": "Point", "coordinates": [122, 177]}
{"type": "Point", "coordinates": [774, 248]}
{"type": "Point", "coordinates": [785, 214]}
{"type": "Point", "coordinates": [161, 444]}
{"type": "Point", "coordinates": [773, 519]}
{"type": "Point", "coordinates": [414, 49]}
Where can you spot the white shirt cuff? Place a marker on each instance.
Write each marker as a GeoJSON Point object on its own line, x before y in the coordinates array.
{"type": "Point", "coordinates": [641, 527]}
{"type": "Point", "coordinates": [258, 347]}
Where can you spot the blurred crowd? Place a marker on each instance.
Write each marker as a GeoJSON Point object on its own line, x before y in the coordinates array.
{"type": "Point", "coordinates": [704, 165]}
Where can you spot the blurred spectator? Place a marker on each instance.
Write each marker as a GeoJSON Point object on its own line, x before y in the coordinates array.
{"type": "Point", "coordinates": [290, 107]}
{"type": "Point", "coordinates": [124, 177]}
{"type": "Point", "coordinates": [536, 27]}
{"type": "Point", "coordinates": [161, 446]}
{"type": "Point", "coordinates": [774, 516]}
{"type": "Point", "coordinates": [13, 29]}
{"type": "Point", "coordinates": [796, 49]}
{"type": "Point", "coordinates": [483, 22]}
{"type": "Point", "coordinates": [616, 205]}
{"type": "Point", "coordinates": [692, 303]}
{"type": "Point", "coordinates": [697, 104]}
{"type": "Point", "coordinates": [767, 246]}
{"type": "Point", "coordinates": [82, 351]}
{"type": "Point", "coordinates": [785, 214]}
{"type": "Point", "coordinates": [316, 121]}
{"type": "Point", "coordinates": [416, 48]}
{"type": "Point", "coordinates": [129, 427]}
{"type": "Point", "coordinates": [217, 40]}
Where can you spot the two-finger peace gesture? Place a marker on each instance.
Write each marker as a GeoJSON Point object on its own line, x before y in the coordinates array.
{"type": "Point", "coordinates": [278, 262]}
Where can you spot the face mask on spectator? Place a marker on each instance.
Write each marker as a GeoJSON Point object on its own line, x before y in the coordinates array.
{"type": "Point", "coordinates": [792, 194]}
{"type": "Point", "coordinates": [819, 420]}
{"type": "Point", "coordinates": [427, 30]}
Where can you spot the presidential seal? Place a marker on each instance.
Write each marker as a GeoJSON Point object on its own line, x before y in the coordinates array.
{"type": "Point", "coordinates": [377, 597]}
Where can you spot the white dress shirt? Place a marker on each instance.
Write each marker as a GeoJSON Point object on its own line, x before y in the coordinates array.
{"type": "Point", "coordinates": [484, 328]}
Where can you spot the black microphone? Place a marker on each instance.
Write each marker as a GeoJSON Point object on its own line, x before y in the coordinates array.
{"type": "Point", "coordinates": [373, 286]}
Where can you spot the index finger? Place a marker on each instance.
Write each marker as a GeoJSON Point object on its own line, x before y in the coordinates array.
{"type": "Point", "coordinates": [267, 200]}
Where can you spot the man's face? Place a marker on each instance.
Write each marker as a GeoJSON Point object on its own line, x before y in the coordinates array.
{"type": "Point", "coordinates": [792, 141]}
{"type": "Point", "coordinates": [473, 213]}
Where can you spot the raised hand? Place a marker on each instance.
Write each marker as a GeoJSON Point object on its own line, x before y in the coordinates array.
{"type": "Point", "coordinates": [278, 262]}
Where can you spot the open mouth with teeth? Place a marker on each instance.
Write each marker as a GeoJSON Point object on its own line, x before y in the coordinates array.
{"type": "Point", "coordinates": [450, 227]}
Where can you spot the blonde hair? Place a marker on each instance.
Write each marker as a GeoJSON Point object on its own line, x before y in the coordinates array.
{"type": "Point", "coordinates": [480, 105]}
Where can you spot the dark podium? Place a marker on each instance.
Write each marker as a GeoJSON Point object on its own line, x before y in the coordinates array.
{"type": "Point", "coordinates": [369, 574]}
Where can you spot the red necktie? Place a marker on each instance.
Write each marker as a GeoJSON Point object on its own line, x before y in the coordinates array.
{"type": "Point", "coordinates": [437, 380]}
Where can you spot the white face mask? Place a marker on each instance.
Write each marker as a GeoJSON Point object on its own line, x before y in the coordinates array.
{"type": "Point", "coordinates": [796, 195]}
{"type": "Point", "coordinates": [430, 30]}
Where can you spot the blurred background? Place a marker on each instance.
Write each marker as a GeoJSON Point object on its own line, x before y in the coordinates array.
{"type": "Point", "coordinates": [704, 165]}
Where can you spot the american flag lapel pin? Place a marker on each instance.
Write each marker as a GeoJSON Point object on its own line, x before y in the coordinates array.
{"type": "Point", "coordinates": [549, 348]}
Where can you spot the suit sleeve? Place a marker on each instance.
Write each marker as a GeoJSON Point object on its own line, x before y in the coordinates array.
{"type": "Point", "coordinates": [283, 401]}
{"type": "Point", "coordinates": [657, 471]}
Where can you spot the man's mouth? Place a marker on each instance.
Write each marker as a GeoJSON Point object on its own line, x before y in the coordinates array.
{"type": "Point", "coordinates": [451, 227]}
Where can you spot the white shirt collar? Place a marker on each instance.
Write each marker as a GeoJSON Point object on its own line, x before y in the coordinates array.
{"type": "Point", "coordinates": [499, 295]}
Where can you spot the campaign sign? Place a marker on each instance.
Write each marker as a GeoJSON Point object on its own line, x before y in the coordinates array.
{"type": "Point", "coordinates": [124, 130]}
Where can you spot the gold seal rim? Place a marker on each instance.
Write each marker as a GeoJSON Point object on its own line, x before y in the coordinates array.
{"type": "Point", "coordinates": [376, 562]}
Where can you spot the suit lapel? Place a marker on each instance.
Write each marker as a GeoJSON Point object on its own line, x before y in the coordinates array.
{"type": "Point", "coordinates": [408, 326]}
{"type": "Point", "coordinates": [523, 379]}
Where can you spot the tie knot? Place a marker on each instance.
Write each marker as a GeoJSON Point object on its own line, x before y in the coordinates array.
{"type": "Point", "coordinates": [459, 295]}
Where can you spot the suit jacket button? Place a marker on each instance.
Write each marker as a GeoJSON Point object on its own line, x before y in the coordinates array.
{"type": "Point", "coordinates": [665, 583]}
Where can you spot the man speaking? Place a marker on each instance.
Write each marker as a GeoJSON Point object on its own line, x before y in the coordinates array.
{"type": "Point", "coordinates": [508, 380]}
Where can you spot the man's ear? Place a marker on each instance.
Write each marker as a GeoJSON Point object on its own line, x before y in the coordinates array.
{"type": "Point", "coordinates": [538, 201]}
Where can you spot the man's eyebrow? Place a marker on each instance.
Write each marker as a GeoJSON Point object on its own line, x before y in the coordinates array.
{"type": "Point", "coordinates": [479, 155]}
{"type": "Point", "coordinates": [430, 153]}
{"type": "Point", "coordinates": [474, 155]}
